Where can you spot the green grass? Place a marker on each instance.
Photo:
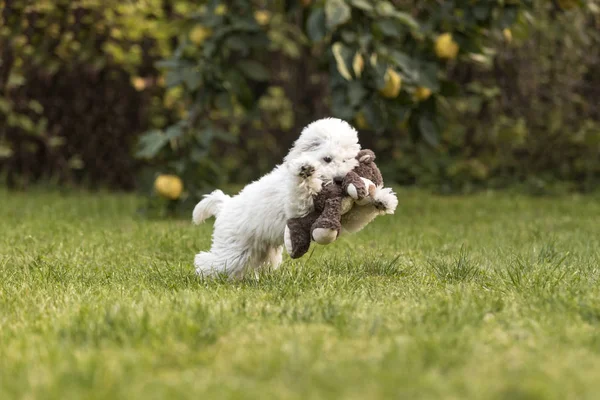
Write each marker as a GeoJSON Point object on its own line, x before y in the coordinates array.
{"type": "Point", "coordinates": [493, 296]}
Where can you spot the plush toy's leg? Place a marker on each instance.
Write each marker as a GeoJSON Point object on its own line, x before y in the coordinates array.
{"type": "Point", "coordinates": [325, 235]}
{"type": "Point", "coordinates": [358, 217]}
{"type": "Point", "coordinates": [327, 227]}
{"type": "Point", "coordinates": [361, 191]}
{"type": "Point", "coordinates": [354, 186]}
{"type": "Point", "coordinates": [297, 235]}
{"type": "Point", "coordinates": [385, 200]}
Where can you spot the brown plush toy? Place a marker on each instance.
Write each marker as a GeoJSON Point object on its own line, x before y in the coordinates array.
{"type": "Point", "coordinates": [323, 224]}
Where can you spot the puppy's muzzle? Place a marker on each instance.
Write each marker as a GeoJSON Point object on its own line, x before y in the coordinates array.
{"type": "Point", "coordinates": [338, 179]}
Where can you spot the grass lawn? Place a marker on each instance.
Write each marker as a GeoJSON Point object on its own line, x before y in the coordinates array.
{"type": "Point", "coordinates": [493, 296]}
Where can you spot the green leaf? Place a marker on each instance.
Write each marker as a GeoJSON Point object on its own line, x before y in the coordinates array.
{"type": "Point", "coordinates": [15, 80]}
{"type": "Point", "coordinates": [225, 136]}
{"type": "Point", "coordinates": [223, 102]}
{"type": "Point", "coordinates": [362, 4]}
{"type": "Point", "coordinates": [373, 114]}
{"type": "Point", "coordinates": [192, 78]}
{"type": "Point", "coordinates": [339, 105]}
{"type": "Point", "coordinates": [315, 25]}
{"type": "Point", "coordinates": [337, 12]}
{"type": "Point", "coordinates": [173, 132]}
{"type": "Point", "coordinates": [238, 85]}
{"type": "Point", "coordinates": [343, 59]}
{"type": "Point", "coordinates": [385, 8]}
{"type": "Point", "coordinates": [166, 64]}
{"type": "Point", "coordinates": [150, 144]}
{"type": "Point", "coordinates": [481, 11]}
{"type": "Point", "coordinates": [398, 113]}
{"type": "Point", "coordinates": [356, 93]}
{"type": "Point", "coordinates": [406, 19]}
{"type": "Point", "coordinates": [238, 44]}
{"type": "Point", "coordinates": [5, 105]}
{"type": "Point", "coordinates": [427, 76]}
{"type": "Point", "coordinates": [408, 66]}
{"type": "Point", "coordinates": [428, 129]}
{"type": "Point", "coordinates": [253, 70]}
{"type": "Point", "coordinates": [390, 28]}
{"type": "Point", "coordinates": [5, 151]}
{"type": "Point", "coordinates": [449, 89]}
{"type": "Point", "coordinates": [25, 123]}
{"type": "Point", "coordinates": [349, 37]}
{"type": "Point", "coordinates": [35, 106]}
{"type": "Point", "coordinates": [509, 16]}
{"type": "Point", "coordinates": [173, 78]}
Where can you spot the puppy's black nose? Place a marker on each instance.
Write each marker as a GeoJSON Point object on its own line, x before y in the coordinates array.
{"type": "Point", "coordinates": [338, 179]}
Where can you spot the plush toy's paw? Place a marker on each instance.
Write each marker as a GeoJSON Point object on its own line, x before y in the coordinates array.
{"type": "Point", "coordinates": [357, 192]}
{"type": "Point", "coordinates": [364, 194]}
{"type": "Point", "coordinates": [385, 201]}
{"type": "Point", "coordinates": [324, 235]}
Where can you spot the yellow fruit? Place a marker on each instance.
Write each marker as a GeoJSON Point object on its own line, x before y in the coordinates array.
{"type": "Point", "coordinates": [373, 59]}
{"type": "Point", "coordinates": [262, 17]}
{"type": "Point", "coordinates": [507, 35]}
{"type": "Point", "coordinates": [567, 4]}
{"type": "Point", "coordinates": [168, 186]}
{"type": "Point", "coordinates": [446, 47]}
{"type": "Point", "coordinates": [358, 65]}
{"type": "Point", "coordinates": [139, 83]}
{"type": "Point", "coordinates": [393, 83]}
{"type": "Point", "coordinates": [221, 9]}
{"type": "Point", "coordinates": [199, 34]}
{"type": "Point", "coordinates": [361, 121]}
{"type": "Point", "coordinates": [422, 93]}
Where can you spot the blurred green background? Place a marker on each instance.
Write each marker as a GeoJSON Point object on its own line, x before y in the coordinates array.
{"type": "Point", "coordinates": [454, 96]}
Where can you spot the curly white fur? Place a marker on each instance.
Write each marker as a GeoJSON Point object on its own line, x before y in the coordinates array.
{"type": "Point", "coordinates": [249, 227]}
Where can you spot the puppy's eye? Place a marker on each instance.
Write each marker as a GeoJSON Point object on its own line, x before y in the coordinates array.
{"type": "Point", "coordinates": [327, 159]}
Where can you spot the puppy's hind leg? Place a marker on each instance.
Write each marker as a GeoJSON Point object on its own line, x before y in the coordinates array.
{"type": "Point", "coordinates": [275, 257]}
{"type": "Point", "coordinates": [210, 264]}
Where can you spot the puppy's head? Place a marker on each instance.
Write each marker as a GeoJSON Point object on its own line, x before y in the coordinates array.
{"type": "Point", "coordinates": [332, 145]}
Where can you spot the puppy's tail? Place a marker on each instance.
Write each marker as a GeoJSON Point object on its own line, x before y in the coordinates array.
{"type": "Point", "coordinates": [209, 206]}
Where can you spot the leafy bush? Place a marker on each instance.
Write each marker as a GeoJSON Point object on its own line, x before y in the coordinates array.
{"type": "Point", "coordinates": [454, 95]}
{"type": "Point", "coordinates": [527, 116]}
{"type": "Point", "coordinates": [381, 64]}
{"type": "Point", "coordinates": [70, 105]}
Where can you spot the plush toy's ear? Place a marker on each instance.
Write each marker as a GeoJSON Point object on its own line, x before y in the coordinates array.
{"type": "Point", "coordinates": [365, 156]}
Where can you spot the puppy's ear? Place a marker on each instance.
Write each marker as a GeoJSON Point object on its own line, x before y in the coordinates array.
{"type": "Point", "coordinates": [365, 156]}
{"type": "Point", "coordinates": [310, 146]}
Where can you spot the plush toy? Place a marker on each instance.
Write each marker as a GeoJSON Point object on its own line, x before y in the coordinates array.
{"type": "Point", "coordinates": [323, 225]}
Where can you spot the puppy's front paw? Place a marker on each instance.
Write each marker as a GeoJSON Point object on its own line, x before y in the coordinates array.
{"type": "Point", "coordinates": [303, 168]}
{"type": "Point", "coordinates": [306, 171]}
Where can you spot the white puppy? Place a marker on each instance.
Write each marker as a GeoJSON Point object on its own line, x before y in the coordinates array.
{"type": "Point", "coordinates": [249, 227]}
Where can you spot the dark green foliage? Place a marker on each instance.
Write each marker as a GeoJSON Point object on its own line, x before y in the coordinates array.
{"type": "Point", "coordinates": [454, 95]}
